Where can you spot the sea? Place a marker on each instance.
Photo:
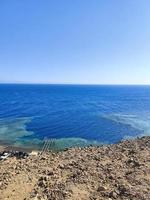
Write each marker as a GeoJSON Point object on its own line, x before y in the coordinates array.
{"type": "Point", "coordinates": [72, 115]}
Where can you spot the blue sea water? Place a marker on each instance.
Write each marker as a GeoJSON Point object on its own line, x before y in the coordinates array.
{"type": "Point", "coordinates": [73, 115]}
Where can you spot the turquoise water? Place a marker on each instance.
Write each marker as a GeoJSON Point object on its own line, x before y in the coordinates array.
{"type": "Point", "coordinates": [73, 115]}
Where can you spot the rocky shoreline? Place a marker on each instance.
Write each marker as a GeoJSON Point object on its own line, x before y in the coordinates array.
{"type": "Point", "coordinates": [120, 171]}
{"type": "Point", "coordinates": [8, 147]}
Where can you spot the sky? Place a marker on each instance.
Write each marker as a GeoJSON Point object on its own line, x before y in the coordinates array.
{"type": "Point", "coordinates": [75, 41]}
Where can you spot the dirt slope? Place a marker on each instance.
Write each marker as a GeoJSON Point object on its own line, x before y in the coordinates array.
{"type": "Point", "coordinates": [120, 171]}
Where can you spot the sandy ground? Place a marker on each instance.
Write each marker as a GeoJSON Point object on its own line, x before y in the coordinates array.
{"type": "Point", "coordinates": [120, 171]}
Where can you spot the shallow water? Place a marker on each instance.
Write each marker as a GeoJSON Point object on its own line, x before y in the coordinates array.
{"type": "Point", "coordinates": [73, 114]}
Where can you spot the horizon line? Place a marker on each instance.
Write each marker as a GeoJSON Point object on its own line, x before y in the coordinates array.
{"type": "Point", "coordinates": [109, 84]}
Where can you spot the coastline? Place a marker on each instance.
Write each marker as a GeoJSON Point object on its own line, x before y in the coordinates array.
{"type": "Point", "coordinates": [5, 146]}
{"type": "Point", "coordinates": [118, 171]}
{"type": "Point", "coordinates": [13, 148]}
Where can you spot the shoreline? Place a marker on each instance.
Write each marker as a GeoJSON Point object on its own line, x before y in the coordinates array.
{"type": "Point", "coordinates": [118, 171]}
{"type": "Point", "coordinates": [13, 148]}
{"type": "Point", "coordinates": [5, 145]}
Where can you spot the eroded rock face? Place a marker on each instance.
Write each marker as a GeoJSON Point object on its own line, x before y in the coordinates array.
{"type": "Point", "coordinates": [120, 171]}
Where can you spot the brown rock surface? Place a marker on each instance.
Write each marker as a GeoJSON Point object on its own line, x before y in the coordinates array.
{"type": "Point", "coordinates": [120, 171]}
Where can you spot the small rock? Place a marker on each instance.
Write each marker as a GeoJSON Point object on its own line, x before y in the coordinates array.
{"type": "Point", "coordinates": [61, 166]}
{"type": "Point", "coordinates": [50, 173]}
{"type": "Point", "coordinates": [101, 188]}
{"type": "Point", "coordinates": [113, 194]}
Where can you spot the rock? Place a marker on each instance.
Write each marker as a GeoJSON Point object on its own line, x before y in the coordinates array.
{"type": "Point", "coordinates": [101, 188]}
{"type": "Point", "coordinates": [122, 189]}
{"type": "Point", "coordinates": [61, 166]}
{"type": "Point", "coordinates": [50, 173]}
{"type": "Point", "coordinates": [113, 194]}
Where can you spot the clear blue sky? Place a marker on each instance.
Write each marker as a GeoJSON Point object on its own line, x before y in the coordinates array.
{"type": "Point", "coordinates": [75, 41]}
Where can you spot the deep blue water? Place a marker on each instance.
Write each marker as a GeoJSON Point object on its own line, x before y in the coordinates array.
{"type": "Point", "coordinates": [73, 114]}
